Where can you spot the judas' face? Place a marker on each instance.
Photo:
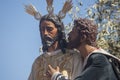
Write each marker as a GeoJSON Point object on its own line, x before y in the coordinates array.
{"type": "Point", "coordinates": [49, 32]}
{"type": "Point", "coordinates": [74, 38]}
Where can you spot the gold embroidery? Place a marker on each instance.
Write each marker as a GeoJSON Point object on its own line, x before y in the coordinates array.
{"type": "Point", "coordinates": [64, 61]}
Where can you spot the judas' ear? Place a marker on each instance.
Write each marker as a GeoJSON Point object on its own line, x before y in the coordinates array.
{"type": "Point", "coordinates": [83, 38]}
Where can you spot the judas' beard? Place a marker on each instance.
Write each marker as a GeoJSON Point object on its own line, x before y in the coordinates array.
{"type": "Point", "coordinates": [48, 41]}
{"type": "Point", "coordinates": [74, 43]}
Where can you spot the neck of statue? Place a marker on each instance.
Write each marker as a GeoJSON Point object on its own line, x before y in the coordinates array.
{"type": "Point", "coordinates": [86, 49]}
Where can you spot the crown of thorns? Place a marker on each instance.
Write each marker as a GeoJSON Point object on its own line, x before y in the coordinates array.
{"type": "Point", "coordinates": [30, 9]}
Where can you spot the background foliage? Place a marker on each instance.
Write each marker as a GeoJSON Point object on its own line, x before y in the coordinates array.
{"type": "Point", "coordinates": [106, 14]}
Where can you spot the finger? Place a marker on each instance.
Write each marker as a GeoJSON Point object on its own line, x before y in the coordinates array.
{"type": "Point", "coordinates": [49, 72]}
{"type": "Point", "coordinates": [50, 67]}
{"type": "Point", "coordinates": [58, 69]}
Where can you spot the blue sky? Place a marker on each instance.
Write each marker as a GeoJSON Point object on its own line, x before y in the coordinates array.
{"type": "Point", "coordinates": [19, 36]}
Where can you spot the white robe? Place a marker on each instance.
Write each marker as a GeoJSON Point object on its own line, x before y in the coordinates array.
{"type": "Point", "coordinates": [69, 63]}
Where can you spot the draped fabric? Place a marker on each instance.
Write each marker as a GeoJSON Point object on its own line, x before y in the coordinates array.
{"type": "Point", "coordinates": [96, 66]}
{"type": "Point", "coordinates": [69, 64]}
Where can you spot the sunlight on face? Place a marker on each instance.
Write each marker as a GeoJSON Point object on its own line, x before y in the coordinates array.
{"type": "Point", "coordinates": [48, 28]}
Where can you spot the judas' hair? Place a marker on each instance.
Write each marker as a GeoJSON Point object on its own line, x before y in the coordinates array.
{"type": "Point", "coordinates": [87, 29]}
